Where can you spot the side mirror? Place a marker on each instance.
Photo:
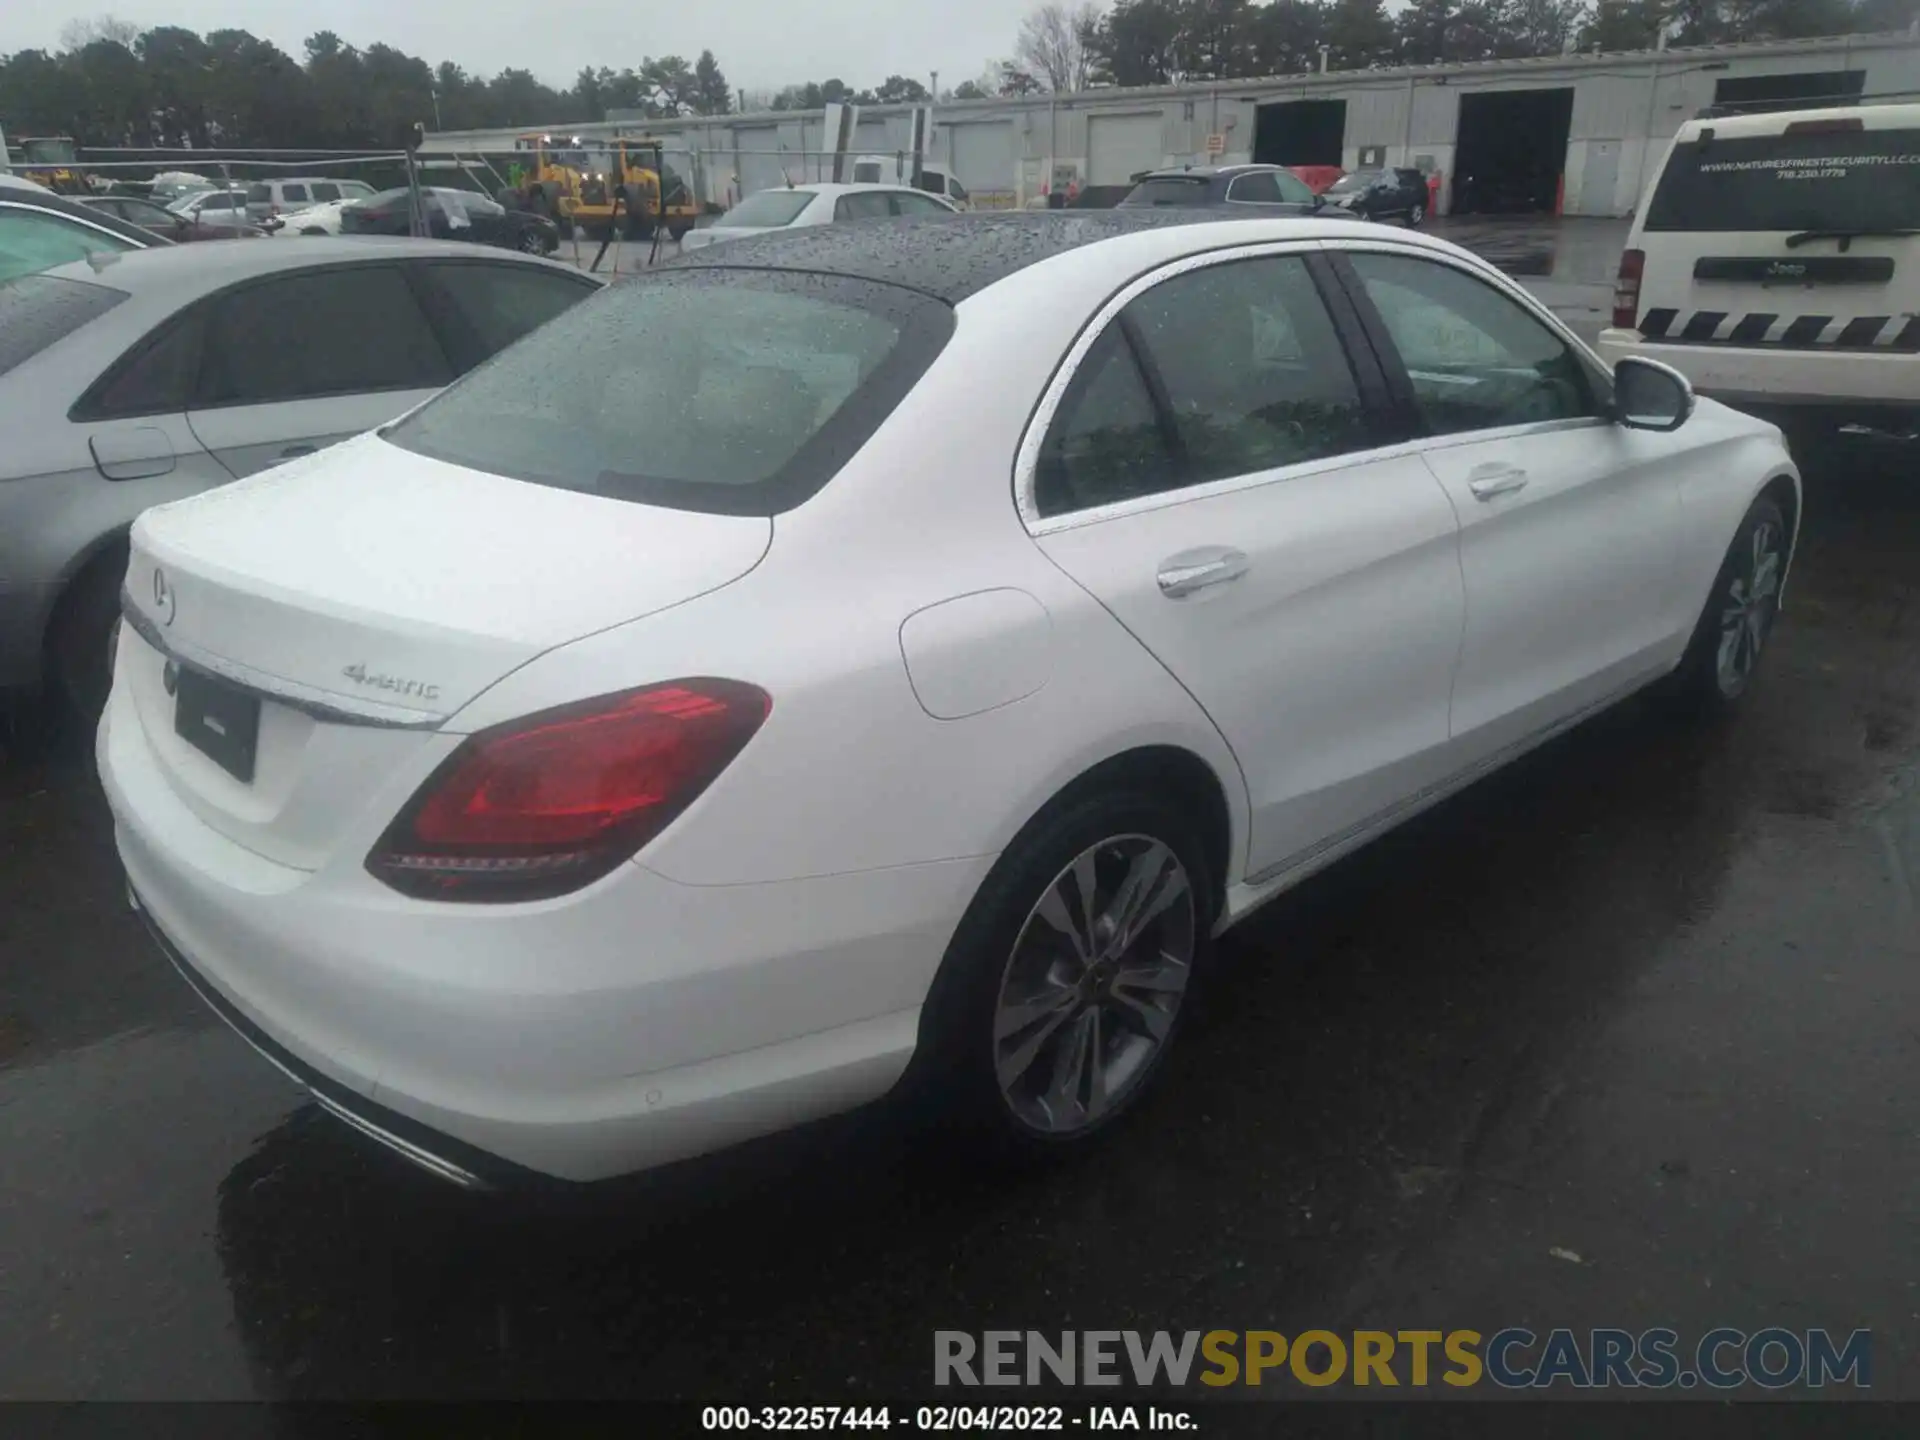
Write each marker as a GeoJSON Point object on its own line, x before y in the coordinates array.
{"type": "Point", "coordinates": [1650, 396]}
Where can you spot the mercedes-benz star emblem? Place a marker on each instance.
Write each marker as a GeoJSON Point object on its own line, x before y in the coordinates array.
{"type": "Point", "coordinates": [162, 596]}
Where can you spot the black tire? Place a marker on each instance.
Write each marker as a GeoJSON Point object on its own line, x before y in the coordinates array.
{"type": "Point", "coordinates": [531, 241]}
{"type": "Point", "coordinates": [955, 1072]}
{"type": "Point", "coordinates": [1417, 216]}
{"type": "Point", "coordinates": [1709, 681]}
{"type": "Point", "coordinates": [81, 634]}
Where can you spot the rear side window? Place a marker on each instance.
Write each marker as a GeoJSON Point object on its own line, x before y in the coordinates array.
{"type": "Point", "coordinates": [324, 332]}
{"type": "Point", "coordinates": [37, 310]}
{"type": "Point", "coordinates": [906, 204]}
{"type": "Point", "coordinates": [1252, 377]}
{"type": "Point", "coordinates": [257, 194]}
{"type": "Point", "coordinates": [488, 307]}
{"type": "Point", "coordinates": [296, 194]}
{"type": "Point", "coordinates": [871, 205]}
{"type": "Point", "coordinates": [1255, 189]}
{"type": "Point", "coordinates": [728, 391]}
{"type": "Point", "coordinates": [1255, 374]}
{"type": "Point", "coordinates": [769, 208]}
{"type": "Point", "coordinates": [1815, 179]}
{"type": "Point", "coordinates": [1169, 190]}
{"type": "Point", "coordinates": [1107, 443]}
{"type": "Point", "coordinates": [155, 377]}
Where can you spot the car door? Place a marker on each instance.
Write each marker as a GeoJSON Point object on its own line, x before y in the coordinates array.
{"type": "Point", "coordinates": [1568, 522]}
{"type": "Point", "coordinates": [1214, 476]}
{"type": "Point", "coordinates": [298, 361]}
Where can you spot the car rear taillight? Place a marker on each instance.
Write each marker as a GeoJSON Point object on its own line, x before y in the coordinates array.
{"type": "Point", "coordinates": [547, 804]}
{"type": "Point", "coordinates": [1626, 290]}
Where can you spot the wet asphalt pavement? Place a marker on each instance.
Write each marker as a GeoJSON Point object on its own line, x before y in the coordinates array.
{"type": "Point", "coordinates": [1625, 1036]}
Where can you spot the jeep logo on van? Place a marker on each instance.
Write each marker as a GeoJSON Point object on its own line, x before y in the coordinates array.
{"type": "Point", "coordinates": [1786, 270]}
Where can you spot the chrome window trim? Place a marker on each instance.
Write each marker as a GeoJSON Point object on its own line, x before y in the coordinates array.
{"type": "Point", "coordinates": [308, 699]}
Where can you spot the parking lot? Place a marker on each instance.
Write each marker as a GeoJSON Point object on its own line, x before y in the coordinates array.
{"type": "Point", "coordinates": [1624, 1036]}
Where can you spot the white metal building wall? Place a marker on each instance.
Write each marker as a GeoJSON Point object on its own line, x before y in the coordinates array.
{"type": "Point", "coordinates": [1120, 146]}
{"type": "Point", "coordinates": [982, 154]}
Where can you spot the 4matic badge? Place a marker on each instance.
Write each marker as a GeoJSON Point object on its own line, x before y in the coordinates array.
{"type": "Point", "coordinates": [396, 684]}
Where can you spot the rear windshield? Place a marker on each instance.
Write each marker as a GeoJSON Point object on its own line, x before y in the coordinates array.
{"type": "Point", "coordinates": [1836, 180]}
{"type": "Point", "coordinates": [36, 310]}
{"type": "Point", "coordinates": [769, 208]}
{"type": "Point", "coordinates": [1172, 190]}
{"type": "Point", "coordinates": [259, 194]}
{"type": "Point", "coordinates": [737, 392]}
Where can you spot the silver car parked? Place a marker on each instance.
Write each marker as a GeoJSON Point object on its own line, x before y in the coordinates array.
{"type": "Point", "coordinates": [128, 380]}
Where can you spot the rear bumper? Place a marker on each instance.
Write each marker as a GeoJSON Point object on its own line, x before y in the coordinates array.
{"type": "Point", "coordinates": [1776, 376]}
{"type": "Point", "coordinates": [636, 1023]}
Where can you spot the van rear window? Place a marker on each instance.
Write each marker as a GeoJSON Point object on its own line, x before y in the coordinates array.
{"type": "Point", "coordinates": [1823, 180]}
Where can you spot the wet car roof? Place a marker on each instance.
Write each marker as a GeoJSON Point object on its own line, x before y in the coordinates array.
{"type": "Point", "coordinates": [947, 257]}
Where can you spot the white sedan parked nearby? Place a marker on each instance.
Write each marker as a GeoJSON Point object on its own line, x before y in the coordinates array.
{"type": "Point", "coordinates": [897, 668]}
{"type": "Point", "coordinates": [803, 205]}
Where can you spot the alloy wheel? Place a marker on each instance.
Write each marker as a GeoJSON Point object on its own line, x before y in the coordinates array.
{"type": "Point", "coordinates": [1746, 615]}
{"type": "Point", "coordinates": [1090, 992]}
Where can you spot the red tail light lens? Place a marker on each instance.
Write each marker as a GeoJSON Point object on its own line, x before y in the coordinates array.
{"type": "Point", "coordinates": [545, 805]}
{"type": "Point", "coordinates": [1626, 290]}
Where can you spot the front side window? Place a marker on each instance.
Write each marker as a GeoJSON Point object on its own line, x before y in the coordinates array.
{"type": "Point", "coordinates": [325, 190]}
{"type": "Point", "coordinates": [1252, 374]}
{"type": "Point", "coordinates": [1477, 359]}
{"type": "Point", "coordinates": [294, 194]}
{"type": "Point", "coordinates": [325, 332]}
{"type": "Point", "coordinates": [729, 391]}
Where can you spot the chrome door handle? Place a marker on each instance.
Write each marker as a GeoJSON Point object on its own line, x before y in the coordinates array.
{"type": "Point", "coordinates": [1488, 481]}
{"type": "Point", "coordinates": [1193, 570]}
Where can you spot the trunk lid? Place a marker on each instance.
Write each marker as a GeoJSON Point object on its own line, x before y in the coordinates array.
{"type": "Point", "coordinates": [368, 593]}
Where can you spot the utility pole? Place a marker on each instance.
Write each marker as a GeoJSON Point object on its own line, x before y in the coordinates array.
{"type": "Point", "coordinates": [933, 91]}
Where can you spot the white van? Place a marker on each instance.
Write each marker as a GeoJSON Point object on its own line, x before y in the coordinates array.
{"type": "Point", "coordinates": [1775, 262]}
{"type": "Point", "coordinates": [888, 170]}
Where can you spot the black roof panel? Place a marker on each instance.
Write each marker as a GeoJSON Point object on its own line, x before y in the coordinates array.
{"type": "Point", "coordinates": [947, 257]}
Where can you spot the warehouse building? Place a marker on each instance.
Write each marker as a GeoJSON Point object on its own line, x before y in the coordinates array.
{"type": "Point", "coordinates": [1575, 133]}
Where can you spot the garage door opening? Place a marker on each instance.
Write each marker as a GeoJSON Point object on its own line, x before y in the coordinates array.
{"type": "Point", "coordinates": [1512, 151]}
{"type": "Point", "coordinates": [1300, 132]}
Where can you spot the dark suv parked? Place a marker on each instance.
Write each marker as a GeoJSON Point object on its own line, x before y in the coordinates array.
{"type": "Point", "coordinates": [1382, 194]}
{"type": "Point", "coordinates": [1254, 189]}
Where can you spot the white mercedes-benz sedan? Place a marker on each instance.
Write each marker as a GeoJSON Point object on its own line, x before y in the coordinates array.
{"type": "Point", "coordinates": [888, 657]}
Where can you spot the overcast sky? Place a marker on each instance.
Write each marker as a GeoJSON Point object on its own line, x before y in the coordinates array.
{"type": "Point", "coordinates": [760, 44]}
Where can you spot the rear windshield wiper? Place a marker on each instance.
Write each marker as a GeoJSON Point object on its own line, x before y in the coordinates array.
{"type": "Point", "coordinates": [1794, 242]}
